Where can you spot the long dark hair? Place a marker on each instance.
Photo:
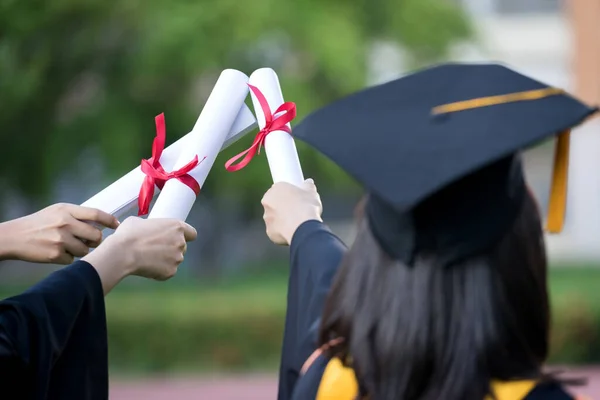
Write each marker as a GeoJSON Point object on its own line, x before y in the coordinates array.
{"type": "Point", "coordinates": [429, 332]}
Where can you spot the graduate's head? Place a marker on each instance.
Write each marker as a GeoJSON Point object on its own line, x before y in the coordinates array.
{"type": "Point", "coordinates": [430, 330]}
{"type": "Point", "coordinates": [444, 287]}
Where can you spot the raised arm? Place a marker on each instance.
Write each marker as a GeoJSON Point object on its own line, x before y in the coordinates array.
{"type": "Point", "coordinates": [293, 216]}
{"type": "Point", "coordinates": [315, 255]}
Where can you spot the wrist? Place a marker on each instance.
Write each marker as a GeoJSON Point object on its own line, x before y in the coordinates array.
{"type": "Point", "coordinates": [114, 254]}
{"type": "Point", "coordinates": [112, 261]}
{"type": "Point", "coordinates": [9, 240]}
{"type": "Point", "coordinates": [293, 227]}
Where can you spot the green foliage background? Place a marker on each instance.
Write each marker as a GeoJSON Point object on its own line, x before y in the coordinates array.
{"type": "Point", "coordinates": [76, 74]}
{"type": "Point", "coordinates": [92, 74]}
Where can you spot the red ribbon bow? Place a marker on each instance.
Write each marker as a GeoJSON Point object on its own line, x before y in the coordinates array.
{"type": "Point", "coordinates": [156, 174]}
{"type": "Point", "coordinates": [271, 124]}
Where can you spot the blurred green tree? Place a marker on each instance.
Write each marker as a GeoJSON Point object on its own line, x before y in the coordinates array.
{"type": "Point", "coordinates": [76, 74]}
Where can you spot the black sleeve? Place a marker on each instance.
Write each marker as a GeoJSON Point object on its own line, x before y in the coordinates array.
{"type": "Point", "coordinates": [53, 342]}
{"type": "Point", "coordinates": [549, 391]}
{"type": "Point", "coordinates": [315, 254]}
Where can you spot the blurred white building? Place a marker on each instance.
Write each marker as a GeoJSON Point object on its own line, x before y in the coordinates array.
{"type": "Point", "coordinates": [536, 38]}
{"type": "Point", "coordinates": [531, 35]}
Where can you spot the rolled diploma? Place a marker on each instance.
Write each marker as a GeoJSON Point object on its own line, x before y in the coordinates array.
{"type": "Point", "coordinates": [279, 145]}
{"type": "Point", "coordinates": [121, 196]}
{"type": "Point", "coordinates": [215, 121]}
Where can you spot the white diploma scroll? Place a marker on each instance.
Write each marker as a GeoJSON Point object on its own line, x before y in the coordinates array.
{"type": "Point", "coordinates": [120, 197]}
{"type": "Point", "coordinates": [206, 139]}
{"type": "Point", "coordinates": [279, 145]}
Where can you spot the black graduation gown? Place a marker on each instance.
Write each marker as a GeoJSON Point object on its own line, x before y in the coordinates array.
{"type": "Point", "coordinates": [315, 254]}
{"type": "Point", "coordinates": [53, 342]}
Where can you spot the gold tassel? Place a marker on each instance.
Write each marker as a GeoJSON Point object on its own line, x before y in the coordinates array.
{"type": "Point", "coordinates": [496, 100]}
{"type": "Point", "coordinates": [558, 189]}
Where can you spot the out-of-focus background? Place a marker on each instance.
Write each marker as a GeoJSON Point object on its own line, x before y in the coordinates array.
{"type": "Point", "coordinates": [80, 84]}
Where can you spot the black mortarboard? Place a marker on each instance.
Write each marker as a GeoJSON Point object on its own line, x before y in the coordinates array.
{"type": "Point", "coordinates": [438, 152]}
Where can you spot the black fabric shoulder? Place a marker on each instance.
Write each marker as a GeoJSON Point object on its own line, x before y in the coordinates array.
{"type": "Point", "coordinates": [549, 391]}
{"type": "Point", "coordinates": [307, 386]}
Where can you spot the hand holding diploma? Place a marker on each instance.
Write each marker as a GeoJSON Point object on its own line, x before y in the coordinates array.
{"type": "Point", "coordinates": [183, 167]}
{"type": "Point", "coordinates": [275, 131]}
{"type": "Point", "coordinates": [56, 234]}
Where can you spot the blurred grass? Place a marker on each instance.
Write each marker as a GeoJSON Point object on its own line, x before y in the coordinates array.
{"type": "Point", "coordinates": [236, 324]}
{"type": "Point", "coordinates": [262, 293]}
{"type": "Point", "coordinates": [265, 293]}
{"type": "Point", "coordinates": [580, 281]}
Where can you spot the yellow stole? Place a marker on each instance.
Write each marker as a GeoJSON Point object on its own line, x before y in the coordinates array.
{"type": "Point", "coordinates": [339, 383]}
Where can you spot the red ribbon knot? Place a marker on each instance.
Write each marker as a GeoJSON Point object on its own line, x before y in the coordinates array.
{"type": "Point", "coordinates": [156, 174]}
{"type": "Point", "coordinates": [287, 113]}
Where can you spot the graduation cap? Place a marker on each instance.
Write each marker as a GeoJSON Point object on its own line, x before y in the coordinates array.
{"type": "Point", "coordinates": [438, 152]}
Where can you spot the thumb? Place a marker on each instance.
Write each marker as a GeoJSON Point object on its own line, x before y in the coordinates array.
{"type": "Point", "coordinates": [309, 184]}
{"type": "Point", "coordinates": [189, 232]}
